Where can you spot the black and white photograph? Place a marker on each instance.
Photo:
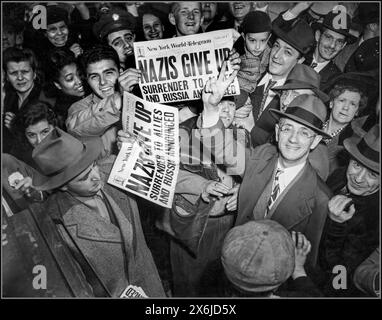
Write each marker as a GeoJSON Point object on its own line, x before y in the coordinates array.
{"type": "Point", "coordinates": [211, 151]}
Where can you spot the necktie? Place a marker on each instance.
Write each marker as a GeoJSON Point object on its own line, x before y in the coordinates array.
{"type": "Point", "coordinates": [269, 86]}
{"type": "Point", "coordinates": [313, 65]}
{"type": "Point", "coordinates": [275, 191]}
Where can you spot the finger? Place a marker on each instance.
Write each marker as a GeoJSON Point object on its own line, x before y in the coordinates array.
{"type": "Point", "coordinates": [351, 210]}
{"type": "Point", "coordinates": [299, 240]}
{"type": "Point", "coordinates": [294, 237]}
{"type": "Point", "coordinates": [222, 71]}
{"type": "Point", "coordinates": [206, 199]}
{"type": "Point", "coordinates": [215, 193]}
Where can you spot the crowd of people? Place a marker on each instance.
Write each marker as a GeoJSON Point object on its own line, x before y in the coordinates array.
{"type": "Point", "coordinates": [304, 199]}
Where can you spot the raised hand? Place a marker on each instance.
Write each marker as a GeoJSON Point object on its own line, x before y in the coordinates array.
{"type": "Point", "coordinates": [129, 78]}
{"type": "Point", "coordinates": [302, 249]}
{"type": "Point", "coordinates": [76, 49]}
{"type": "Point", "coordinates": [214, 89]}
{"type": "Point", "coordinates": [337, 209]}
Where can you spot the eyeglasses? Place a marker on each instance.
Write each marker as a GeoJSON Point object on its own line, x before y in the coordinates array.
{"type": "Point", "coordinates": [338, 42]}
{"type": "Point", "coordinates": [302, 132]}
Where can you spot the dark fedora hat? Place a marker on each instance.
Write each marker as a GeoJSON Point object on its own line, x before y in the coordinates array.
{"type": "Point", "coordinates": [366, 150]}
{"type": "Point", "coordinates": [331, 22]}
{"type": "Point", "coordinates": [298, 34]}
{"type": "Point", "coordinates": [307, 110]}
{"type": "Point", "coordinates": [61, 157]}
{"type": "Point", "coordinates": [304, 77]}
{"type": "Point", "coordinates": [113, 21]}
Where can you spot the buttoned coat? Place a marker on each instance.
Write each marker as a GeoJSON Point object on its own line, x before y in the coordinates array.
{"type": "Point", "coordinates": [119, 255]}
{"type": "Point", "coordinates": [303, 207]}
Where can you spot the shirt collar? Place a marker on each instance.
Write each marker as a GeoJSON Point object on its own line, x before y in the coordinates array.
{"type": "Point", "coordinates": [268, 77]}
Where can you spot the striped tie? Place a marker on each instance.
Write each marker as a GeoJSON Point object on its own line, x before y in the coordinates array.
{"type": "Point", "coordinates": [275, 191]}
{"type": "Point", "coordinates": [269, 86]}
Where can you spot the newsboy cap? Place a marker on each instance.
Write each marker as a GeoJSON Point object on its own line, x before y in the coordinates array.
{"type": "Point", "coordinates": [258, 256]}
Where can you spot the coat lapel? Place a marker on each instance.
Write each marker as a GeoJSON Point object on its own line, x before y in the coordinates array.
{"type": "Point", "coordinates": [295, 205]}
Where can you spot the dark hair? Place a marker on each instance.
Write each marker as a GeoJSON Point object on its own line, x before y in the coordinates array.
{"type": "Point", "coordinates": [31, 114]}
{"type": "Point", "coordinates": [339, 89]}
{"type": "Point", "coordinates": [58, 59]}
{"type": "Point", "coordinates": [98, 53]}
{"type": "Point", "coordinates": [19, 55]}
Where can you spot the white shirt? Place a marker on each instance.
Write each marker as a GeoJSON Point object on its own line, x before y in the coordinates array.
{"type": "Point", "coordinates": [271, 94]}
{"type": "Point", "coordinates": [320, 65]}
{"type": "Point", "coordinates": [287, 175]}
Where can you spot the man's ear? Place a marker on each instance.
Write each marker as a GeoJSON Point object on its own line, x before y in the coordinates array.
{"type": "Point", "coordinates": [315, 142]}
{"type": "Point", "coordinates": [57, 85]}
{"type": "Point", "coordinates": [301, 60]}
{"type": "Point", "coordinates": [317, 35]}
{"type": "Point", "coordinates": [331, 105]}
{"type": "Point", "coordinates": [171, 18]}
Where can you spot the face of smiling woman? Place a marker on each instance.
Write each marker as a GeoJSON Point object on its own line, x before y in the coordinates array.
{"type": "Point", "coordinates": [57, 33]}
{"type": "Point", "coordinates": [70, 82]}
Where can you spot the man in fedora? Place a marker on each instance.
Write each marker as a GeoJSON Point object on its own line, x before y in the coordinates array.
{"type": "Point", "coordinates": [293, 41]}
{"type": "Point", "coordinates": [279, 183]}
{"type": "Point", "coordinates": [351, 231]}
{"type": "Point", "coordinates": [116, 28]}
{"type": "Point", "coordinates": [99, 224]}
{"type": "Point", "coordinates": [301, 80]}
{"type": "Point", "coordinates": [331, 35]}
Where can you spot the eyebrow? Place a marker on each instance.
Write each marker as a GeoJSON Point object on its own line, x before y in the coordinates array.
{"type": "Point", "coordinates": [107, 70]}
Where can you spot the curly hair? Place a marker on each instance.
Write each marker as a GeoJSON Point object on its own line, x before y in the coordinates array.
{"type": "Point", "coordinates": [58, 59]}
{"type": "Point", "coordinates": [31, 114]}
{"type": "Point", "coordinates": [339, 89]}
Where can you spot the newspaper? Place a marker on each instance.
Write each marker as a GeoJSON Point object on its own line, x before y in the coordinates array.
{"type": "Point", "coordinates": [177, 69]}
{"type": "Point", "coordinates": [149, 167]}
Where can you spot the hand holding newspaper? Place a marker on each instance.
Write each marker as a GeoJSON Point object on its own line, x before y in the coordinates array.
{"type": "Point", "coordinates": [149, 166]}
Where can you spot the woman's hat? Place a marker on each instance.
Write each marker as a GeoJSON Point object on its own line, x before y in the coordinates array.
{"type": "Point", "coordinates": [60, 157]}
{"type": "Point", "coordinates": [56, 14]}
{"type": "Point", "coordinates": [332, 22]}
{"type": "Point", "coordinates": [304, 77]}
{"type": "Point", "coordinates": [307, 110]}
{"type": "Point", "coordinates": [365, 150]}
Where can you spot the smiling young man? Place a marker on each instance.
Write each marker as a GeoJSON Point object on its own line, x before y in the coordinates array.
{"type": "Point", "coordinates": [99, 224]}
{"type": "Point", "coordinates": [293, 42]}
{"type": "Point", "coordinates": [98, 113]}
{"type": "Point", "coordinates": [117, 29]}
{"type": "Point", "coordinates": [186, 17]}
{"type": "Point", "coordinates": [351, 232]}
